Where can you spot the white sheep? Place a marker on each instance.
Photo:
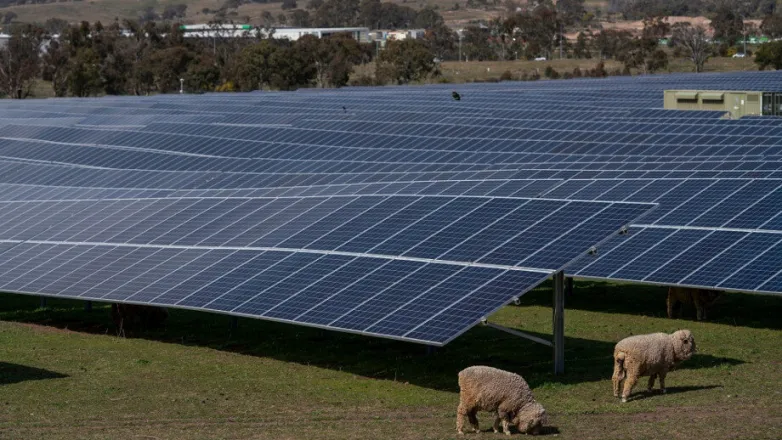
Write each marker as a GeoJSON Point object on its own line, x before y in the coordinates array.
{"type": "Point", "coordinates": [650, 355]}
{"type": "Point", "coordinates": [506, 394]}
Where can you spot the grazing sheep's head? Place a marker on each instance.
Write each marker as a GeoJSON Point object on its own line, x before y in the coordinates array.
{"type": "Point", "coordinates": [530, 419]}
{"type": "Point", "coordinates": [683, 344]}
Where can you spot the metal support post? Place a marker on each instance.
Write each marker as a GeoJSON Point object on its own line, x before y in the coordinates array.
{"type": "Point", "coordinates": [43, 302]}
{"type": "Point", "coordinates": [430, 350]}
{"type": "Point", "coordinates": [88, 306]}
{"type": "Point", "coordinates": [559, 322]}
{"type": "Point", "coordinates": [568, 287]}
{"type": "Point", "coordinates": [234, 323]}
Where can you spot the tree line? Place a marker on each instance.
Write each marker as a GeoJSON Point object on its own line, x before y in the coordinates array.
{"type": "Point", "coordinates": [92, 59]}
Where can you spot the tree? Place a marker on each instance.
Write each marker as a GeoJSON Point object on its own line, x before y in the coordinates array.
{"type": "Point", "coordinates": [268, 19]}
{"type": "Point", "coordinates": [203, 75]}
{"type": "Point", "coordinates": [313, 5]}
{"type": "Point", "coordinates": [257, 67]}
{"type": "Point", "coordinates": [55, 63]}
{"type": "Point", "coordinates": [428, 18]}
{"type": "Point", "coordinates": [643, 53]}
{"type": "Point", "coordinates": [174, 12]}
{"type": "Point", "coordinates": [612, 43]}
{"type": "Point", "coordinates": [571, 11]}
{"type": "Point", "coordinates": [333, 57]}
{"type": "Point", "coordinates": [441, 41]}
{"type": "Point", "coordinates": [168, 66]}
{"type": "Point", "coordinates": [84, 78]}
{"type": "Point", "coordinates": [476, 44]}
{"type": "Point", "coordinates": [727, 24]}
{"type": "Point", "coordinates": [337, 13]}
{"type": "Point", "coordinates": [655, 27]}
{"type": "Point", "coordinates": [581, 49]}
{"type": "Point", "coordinates": [299, 17]}
{"type": "Point", "coordinates": [147, 15]}
{"type": "Point", "coordinates": [370, 13]}
{"type": "Point", "coordinates": [288, 4]}
{"type": "Point", "coordinates": [56, 26]}
{"type": "Point", "coordinates": [394, 16]}
{"type": "Point", "coordinates": [290, 69]}
{"type": "Point", "coordinates": [9, 17]}
{"type": "Point", "coordinates": [19, 62]}
{"type": "Point", "coordinates": [769, 54]}
{"type": "Point", "coordinates": [537, 30]}
{"type": "Point", "coordinates": [772, 26]}
{"type": "Point", "coordinates": [404, 61]}
{"type": "Point", "coordinates": [693, 40]}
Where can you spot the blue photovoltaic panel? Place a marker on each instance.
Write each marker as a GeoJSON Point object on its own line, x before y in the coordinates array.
{"type": "Point", "coordinates": [355, 294]}
{"type": "Point", "coordinates": [368, 264]}
{"type": "Point", "coordinates": [543, 234]}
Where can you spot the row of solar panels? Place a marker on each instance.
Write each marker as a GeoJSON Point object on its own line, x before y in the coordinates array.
{"type": "Point", "coordinates": [422, 269]}
{"type": "Point", "coordinates": [361, 187]}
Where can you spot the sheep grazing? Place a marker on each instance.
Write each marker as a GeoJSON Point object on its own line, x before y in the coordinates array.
{"type": "Point", "coordinates": [501, 392]}
{"type": "Point", "coordinates": [133, 316]}
{"type": "Point", "coordinates": [703, 299]}
{"type": "Point", "coordinates": [649, 355]}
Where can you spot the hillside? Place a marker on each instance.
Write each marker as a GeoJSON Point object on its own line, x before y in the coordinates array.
{"type": "Point", "coordinates": [107, 10]}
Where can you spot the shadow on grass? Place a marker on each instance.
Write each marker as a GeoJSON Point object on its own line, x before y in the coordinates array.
{"type": "Point", "coordinates": [544, 430]}
{"type": "Point", "coordinates": [586, 360]}
{"type": "Point", "coordinates": [737, 309]}
{"type": "Point", "coordinates": [646, 394]}
{"type": "Point", "coordinates": [15, 373]}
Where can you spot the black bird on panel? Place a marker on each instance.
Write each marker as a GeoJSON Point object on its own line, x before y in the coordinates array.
{"type": "Point", "coordinates": [456, 96]}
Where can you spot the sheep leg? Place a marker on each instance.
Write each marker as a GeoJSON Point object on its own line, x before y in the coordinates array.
{"type": "Point", "coordinates": [496, 426]}
{"type": "Point", "coordinates": [662, 382]}
{"type": "Point", "coordinates": [461, 413]}
{"type": "Point", "coordinates": [505, 426]}
{"type": "Point", "coordinates": [630, 380]}
{"type": "Point", "coordinates": [619, 373]}
{"type": "Point", "coordinates": [652, 377]}
{"type": "Point", "coordinates": [474, 421]}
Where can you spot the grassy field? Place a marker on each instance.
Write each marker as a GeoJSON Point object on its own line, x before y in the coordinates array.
{"type": "Point", "coordinates": [65, 375]}
{"type": "Point", "coordinates": [460, 72]}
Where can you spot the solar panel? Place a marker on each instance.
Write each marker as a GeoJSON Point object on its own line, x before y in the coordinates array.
{"type": "Point", "coordinates": [397, 267]}
{"type": "Point", "coordinates": [289, 206]}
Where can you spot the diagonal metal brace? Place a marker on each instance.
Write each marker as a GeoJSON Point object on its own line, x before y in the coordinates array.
{"type": "Point", "coordinates": [518, 333]}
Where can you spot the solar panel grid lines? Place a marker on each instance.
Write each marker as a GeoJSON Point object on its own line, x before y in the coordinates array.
{"type": "Point", "coordinates": [701, 264]}
{"type": "Point", "coordinates": [160, 224]}
{"type": "Point", "coordinates": [463, 274]}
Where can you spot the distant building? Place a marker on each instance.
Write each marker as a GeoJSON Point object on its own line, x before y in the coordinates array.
{"type": "Point", "coordinates": [383, 36]}
{"type": "Point", "coordinates": [361, 34]}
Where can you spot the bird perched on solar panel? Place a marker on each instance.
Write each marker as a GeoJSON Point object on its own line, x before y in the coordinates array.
{"type": "Point", "coordinates": [456, 96]}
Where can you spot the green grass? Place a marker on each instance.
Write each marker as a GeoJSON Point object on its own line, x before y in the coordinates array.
{"type": "Point", "coordinates": [64, 374]}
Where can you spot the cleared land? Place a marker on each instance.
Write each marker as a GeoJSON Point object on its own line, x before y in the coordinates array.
{"type": "Point", "coordinates": [460, 72]}
{"type": "Point", "coordinates": [64, 375]}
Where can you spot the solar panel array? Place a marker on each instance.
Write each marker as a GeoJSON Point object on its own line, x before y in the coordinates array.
{"type": "Point", "coordinates": [393, 212]}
